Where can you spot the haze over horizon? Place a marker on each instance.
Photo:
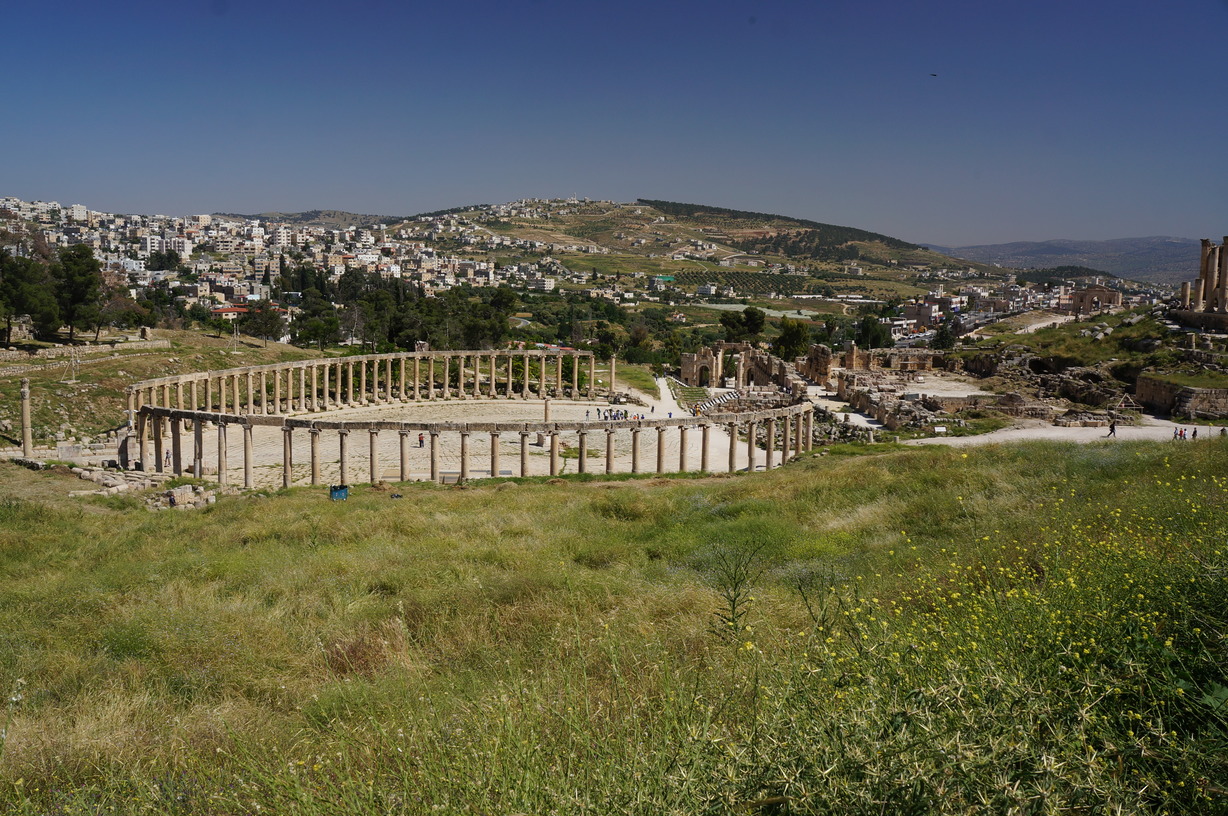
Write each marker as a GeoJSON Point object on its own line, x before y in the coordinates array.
{"type": "Point", "coordinates": [953, 124]}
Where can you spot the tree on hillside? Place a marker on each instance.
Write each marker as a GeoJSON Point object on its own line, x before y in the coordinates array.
{"type": "Point", "coordinates": [794, 339]}
{"type": "Point", "coordinates": [159, 260]}
{"type": "Point", "coordinates": [263, 320]}
{"type": "Point", "coordinates": [873, 333]}
{"type": "Point", "coordinates": [26, 288]}
{"type": "Point", "coordinates": [944, 337]}
{"type": "Point", "coordinates": [746, 325]}
{"type": "Point", "coordinates": [78, 279]}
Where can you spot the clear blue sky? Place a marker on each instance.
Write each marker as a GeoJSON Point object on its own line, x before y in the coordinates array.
{"type": "Point", "coordinates": [1072, 119]}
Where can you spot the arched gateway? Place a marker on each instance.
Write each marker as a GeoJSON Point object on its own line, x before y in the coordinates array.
{"type": "Point", "coordinates": [430, 415]}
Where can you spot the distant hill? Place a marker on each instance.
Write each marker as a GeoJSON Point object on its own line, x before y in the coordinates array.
{"type": "Point", "coordinates": [336, 219]}
{"type": "Point", "coordinates": [1157, 259]}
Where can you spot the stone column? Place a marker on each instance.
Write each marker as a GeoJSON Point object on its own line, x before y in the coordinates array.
{"type": "Point", "coordinates": [388, 378]}
{"type": "Point", "coordinates": [494, 392]}
{"type": "Point", "coordinates": [192, 396]}
{"type": "Point", "coordinates": [315, 455]}
{"type": "Point", "coordinates": [221, 453]}
{"type": "Point", "coordinates": [349, 382]}
{"type": "Point", "coordinates": [236, 402]}
{"type": "Point", "coordinates": [592, 375]}
{"type": "Point", "coordinates": [582, 437]}
{"type": "Point", "coordinates": [464, 454]}
{"type": "Point", "coordinates": [417, 378]}
{"type": "Point", "coordinates": [752, 430]}
{"type": "Point", "coordinates": [287, 456]}
{"type": "Point", "coordinates": [430, 374]}
{"type": "Point", "coordinates": [682, 449]}
{"type": "Point", "coordinates": [434, 455]}
{"type": "Point", "coordinates": [524, 454]}
{"type": "Point", "coordinates": [575, 376]}
{"type": "Point", "coordinates": [176, 446]}
{"type": "Point", "coordinates": [704, 432]}
{"type": "Point", "coordinates": [401, 387]}
{"type": "Point", "coordinates": [158, 429]}
{"type": "Point", "coordinates": [635, 450]}
{"type": "Point", "coordinates": [404, 451]}
{"type": "Point", "coordinates": [251, 392]}
{"type": "Point", "coordinates": [447, 376]}
{"type": "Point", "coordinates": [460, 376]}
{"type": "Point", "coordinates": [179, 395]}
{"type": "Point", "coordinates": [554, 453]}
{"type": "Point", "coordinates": [264, 391]}
{"type": "Point", "coordinates": [541, 376]}
{"type": "Point", "coordinates": [302, 388]}
{"type": "Point", "coordinates": [771, 443]}
{"type": "Point", "coordinates": [733, 447]}
{"type": "Point", "coordinates": [661, 448]}
{"type": "Point", "coordinates": [27, 431]}
{"type": "Point", "coordinates": [374, 468]}
{"type": "Point", "coordinates": [525, 385]}
{"type": "Point", "coordinates": [494, 447]}
{"type": "Point", "coordinates": [343, 440]}
{"type": "Point", "coordinates": [558, 374]}
{"type": "Point", "coordinates": [315, 388]}
{"type": "Point", "coordinates": [477, 376]}
{"type": "Point", "coordinates": [208, 393]}
{"type": "Point", "coordinates": [141, 422]}
{"type": "Point", "coordinates": [247, 457]}
{"type": "Point", "coordinates": [786, 446]}
{"type": "Point", "coordinates": [808, 441]}
{"type": "Point", "coordinates": [277, 390]}
{"type": "Point", "coordinates": [198, 448]}
{"type": "Point", "coordinates": [508, 360]}
{"type": "Point", "coordinates": [609, 450]}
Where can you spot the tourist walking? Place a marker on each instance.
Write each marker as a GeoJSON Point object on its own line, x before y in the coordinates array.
{"type": "Point", "coordinates": [1112, 429]}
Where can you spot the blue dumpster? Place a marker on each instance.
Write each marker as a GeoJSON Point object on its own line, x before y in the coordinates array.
{"type": "Point", "coordinates": [338, 492]}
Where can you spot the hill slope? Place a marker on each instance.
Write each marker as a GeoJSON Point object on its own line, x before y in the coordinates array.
{"type": "Point", "coordinates": [1157, 259]}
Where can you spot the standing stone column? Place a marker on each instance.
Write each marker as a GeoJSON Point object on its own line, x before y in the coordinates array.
{"type": "Point", "coordinates": [417, 378]}
{"type": "Point", "coordinates": [349, 382]}
{"type": "Point", "coordinates": [592, 375]}
{"type": "Point", "coordinates": [541, 375]}
{"type": "Point", "coordinates": [508, 359]}
{"type": "Point", "coordinates": [287, 456]}
{"type": "Point", "coordinates": [141, 423]}
{"type": "Point", "coordinates": [430, 377]}
{"type": "Point", "coordinates": [682, 449]}
{"type": "Point", "coordinates": [460, 376]}
{"type": "Point", "coordinates": [192, 396]}
{"type": "Point", "coordinates": [401, 386]}
{"type": "Point", "coordinates": [315, 455]}
{"type": "Point", "coordinates": [209, 393]}
{"type": "Point", "coordinates": [635, 450]}
{"type": "Point", "coordinates": [524, 454]}
{"type": "Point", "coordinates": [609, 450]}
{"type": "Point", "coordinates": [388, 378]}
{"type": "Point", "coordinates": [558, 374]}
{"type": "Point", "coordinates": [264, 390]}
{"type": "Point", "coordinates": [158, 433]}
{"type": "Point", "coordinates": [575, 376]}
{"type": "Point", "coordinates": [582, 438]}
{"type": "Point", "coordinates": [704, 432]}
{"type": "Point", "coordinates": [27, 431]}
{"type": "Point", "coordinates": [751, 448]}
{"type": "Point", "coordinates": [447, 376]}
{"type": "Point", "coordinates": [302, 388]}
{"type": "Point", "coordinates": [494, 392]}
{"type": "Point", "coordinates": [464, 455]}
{"type": "Point", "coordinates": [198, 448]}
{"type": "Point", "coordinates": [374, 456]}
{"type": "Point", "coordinates": [343, 438]}
{"type": "Point", "coordinates": [661, 448]}
{"type": "Point", "coordinates": [251, 393]}
{"type": "Point", "coordinates": [221, 453]}
{"type": "Point", "coordinates": [277, 390]}
{"type": "Point", "coordinates": [404, 473]}
{"type": "Point", "coordinates": [494, 446]}
{"type": "Point", "coordinates": [176, 446]}
{"type": "Point", "coordinates": [247, 457]}
{"type": "Point", "coordinates": [315, 388]}
{"type": "Point", "coordinates": [179, 394]}
{"type": "Point", "coordinates": [771, 443]}
{"type": "Point", "coordinates": [434, 455]}
{"type": "Point", "coordinates": [525, 383]}
{"type": "Point", "coordinates": [786, 447]}
{"type": "Point", "coordinates": [554, 453]}
{"type": "Point", "coordinates": [236, 403]}
{"type": "Point", "coordinates": [733, 447]}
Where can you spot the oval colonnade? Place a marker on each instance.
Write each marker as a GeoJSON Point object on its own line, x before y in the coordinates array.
{"type": "Point", "coordinates": [173, 415]}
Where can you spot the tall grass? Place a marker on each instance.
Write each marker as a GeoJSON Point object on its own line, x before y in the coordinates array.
{"type": "Point", "coordinates": [1023, 629]}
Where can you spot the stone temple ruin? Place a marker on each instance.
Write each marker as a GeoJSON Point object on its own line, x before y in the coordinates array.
{"type": "Point", "coordinates": [1204, 302]}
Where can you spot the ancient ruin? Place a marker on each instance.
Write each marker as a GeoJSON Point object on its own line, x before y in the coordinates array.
{"type": "Point", "coordinates": [1204, 302]}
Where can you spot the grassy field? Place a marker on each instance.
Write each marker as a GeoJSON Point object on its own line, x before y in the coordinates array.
{"type": "Point", "coordinates": [1031, 629]}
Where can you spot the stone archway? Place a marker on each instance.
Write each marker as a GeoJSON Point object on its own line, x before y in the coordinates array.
{"type": "Point", "coordinates": [705, 376]}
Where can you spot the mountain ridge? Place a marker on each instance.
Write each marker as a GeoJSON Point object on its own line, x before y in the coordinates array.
{"type": "Point", "coordinates": [1151, 259]}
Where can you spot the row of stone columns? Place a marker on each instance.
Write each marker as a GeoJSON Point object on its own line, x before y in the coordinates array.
{"type": "Point", "coordinates": [797, 433]}
{"type": "Point", "coordinates": [327, 384]}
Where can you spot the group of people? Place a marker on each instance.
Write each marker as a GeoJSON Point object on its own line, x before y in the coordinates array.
{"type": "Point", "coordinates": [1179, 434]}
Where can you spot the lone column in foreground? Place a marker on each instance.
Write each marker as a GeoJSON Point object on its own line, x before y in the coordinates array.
{"type": "Point", "coordinates": [27, 433]}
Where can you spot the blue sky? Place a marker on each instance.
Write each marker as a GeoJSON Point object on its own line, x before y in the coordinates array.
{"type": "Point", "coordinates": [1086, 120]}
